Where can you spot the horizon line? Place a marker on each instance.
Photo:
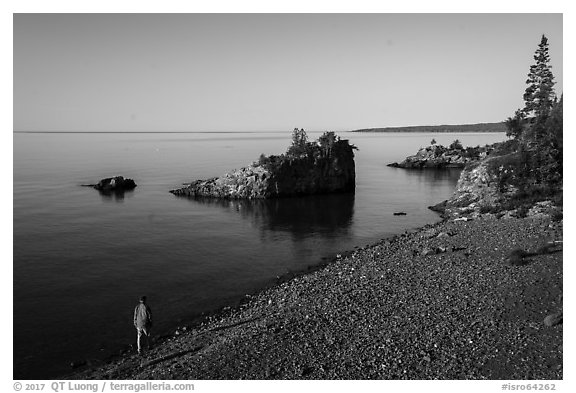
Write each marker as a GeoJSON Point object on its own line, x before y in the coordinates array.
{"type": "Point", "coordinates": [159, 132]}
{"type": "Point", "coordinates": [231, 132]}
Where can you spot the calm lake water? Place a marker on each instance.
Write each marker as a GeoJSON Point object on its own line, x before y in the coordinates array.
{"type": "Point", "coordinates": [81, 259]}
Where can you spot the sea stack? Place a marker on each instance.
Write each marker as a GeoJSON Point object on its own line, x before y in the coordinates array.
{"type": "Point", "coordinates": [307, 168]}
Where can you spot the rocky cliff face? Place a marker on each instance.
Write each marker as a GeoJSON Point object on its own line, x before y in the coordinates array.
{"type": "Point", "coordinates": [481, 190]}
{"type": "Point", "coordinates": [249, 182]}
{"type": "Point", "coordinates": [325, 171]}
{"type": "Point", "coordinates": [477, 186]}
{"type": "Point", "coordinates": [438, 156]}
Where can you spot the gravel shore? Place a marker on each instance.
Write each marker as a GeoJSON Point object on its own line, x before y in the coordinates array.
{"type": "Point", "coordinates": [441, 302]}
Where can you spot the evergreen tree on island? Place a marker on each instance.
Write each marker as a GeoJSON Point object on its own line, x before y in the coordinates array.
{"type": "Point", "coordinates": [299, 143]}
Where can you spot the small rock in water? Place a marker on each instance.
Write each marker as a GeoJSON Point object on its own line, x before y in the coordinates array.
{"type": "Point", "coordinates": [117, 183]}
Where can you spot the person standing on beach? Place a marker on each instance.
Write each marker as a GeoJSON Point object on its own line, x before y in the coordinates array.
{"type": "Point", "coordinates": [143, 323]}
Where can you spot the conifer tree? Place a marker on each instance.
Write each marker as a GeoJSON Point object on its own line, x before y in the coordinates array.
{"type": "Point", "coordinates": [537, 129]}
{"type": "Point", "coordinates": [539, 95]}
{"type": "Point", "coordinates": [299, 142]}
{"type": "Point", "coordinates": [515, 124]}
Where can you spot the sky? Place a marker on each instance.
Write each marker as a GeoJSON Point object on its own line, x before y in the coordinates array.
{"type": "Point", "coordinates": [272, 72]}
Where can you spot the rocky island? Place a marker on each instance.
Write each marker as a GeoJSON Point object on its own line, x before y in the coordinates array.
{"type": "Point", "coordinates": [114, 184]}
{"type": "Point", "coordinates": [320, 167]}
{"type": "Point", "coordinates": [438, 156]}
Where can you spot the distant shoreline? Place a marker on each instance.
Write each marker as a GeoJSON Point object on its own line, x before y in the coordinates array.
{"type": "Point", "coordinates": [478, 127]}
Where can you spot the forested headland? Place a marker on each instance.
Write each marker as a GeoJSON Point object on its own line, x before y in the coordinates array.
{"type": "Point", "coordinates": [479, 127]}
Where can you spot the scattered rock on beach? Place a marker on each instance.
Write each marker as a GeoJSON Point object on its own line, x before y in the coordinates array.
{"type": "Point", "coordinates": [428, 251]}
{"type": "Point", "coordinates": [553, 319]}
{"type": "Point", "coordinates": [517, 257]}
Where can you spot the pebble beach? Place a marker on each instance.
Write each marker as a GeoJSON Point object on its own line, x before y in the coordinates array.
{"type": "Point", "coordinates": [446, 301]}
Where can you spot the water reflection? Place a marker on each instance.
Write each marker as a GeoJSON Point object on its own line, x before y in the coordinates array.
{"type": "Point", "coordinates": [324, 215]}
{"type": "Point", "coordinates": [433, 176]}
{"type": "Point", "coordinates": [115, 195]}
